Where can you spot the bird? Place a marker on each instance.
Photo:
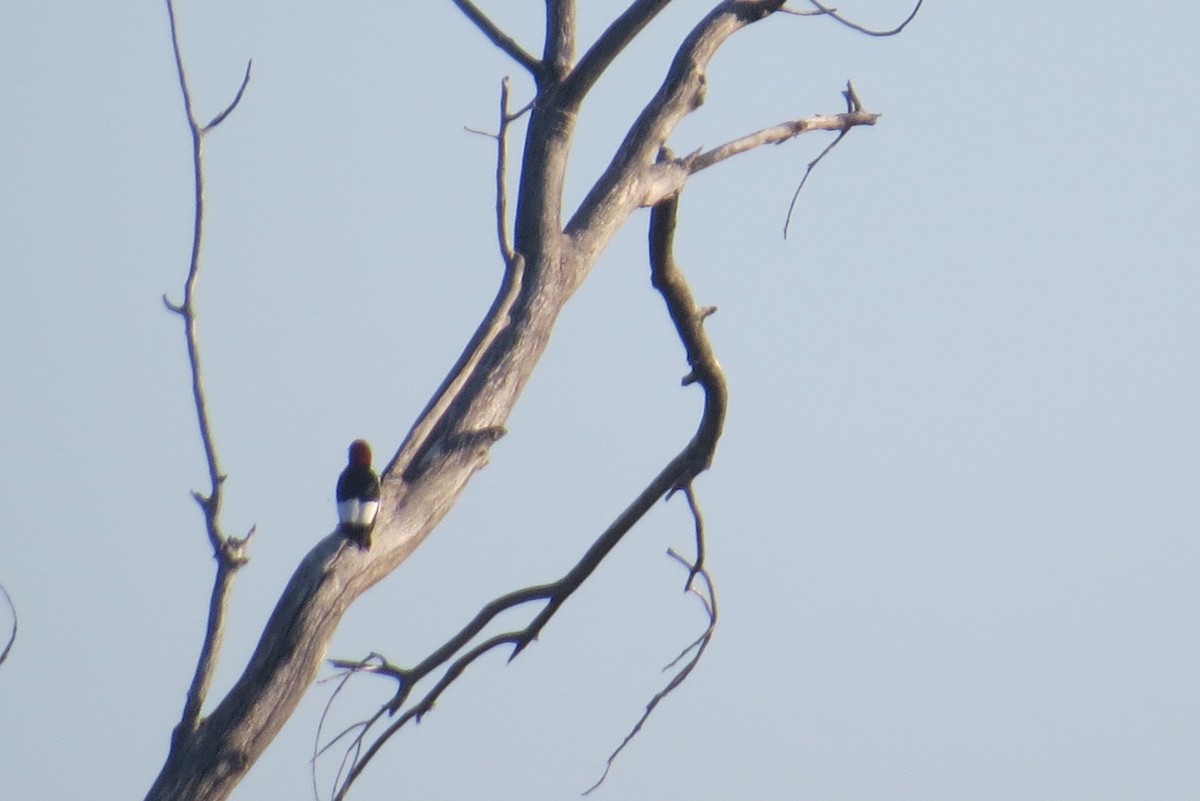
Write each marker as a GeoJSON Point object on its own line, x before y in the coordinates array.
{"type": "Point", "coordinates": [358, 496]}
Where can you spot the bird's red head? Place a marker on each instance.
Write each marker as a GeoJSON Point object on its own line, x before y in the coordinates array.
{"type": "Point", "coordinates": [360, 453]}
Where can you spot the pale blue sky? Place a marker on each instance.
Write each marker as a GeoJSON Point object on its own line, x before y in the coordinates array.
{"type": "Point", "coordinates": [954, 517]}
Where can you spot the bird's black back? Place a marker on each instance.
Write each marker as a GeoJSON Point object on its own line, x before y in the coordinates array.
{"type": "Point", "coordinates": [357, 481]}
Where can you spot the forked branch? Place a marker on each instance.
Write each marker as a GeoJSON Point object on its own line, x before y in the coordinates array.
{"type": "Point", "coordinates": [853, 107]}
{"type": "Point", "coordinates": [635, 177]}
{"type": "Point", "coordinates": [507, 118]}
{"type": "Point", "coordinates": [708, 598]}
{"type": "Point", "coordinates": [667, 277]}
{"type": "Point", "coordinates": [777, 134]}
{"type": "Point", "coordinates": [230, 552]}
{"type": "Point", "coordinates": [545, 263]}
{"type": "Point", "coordinates": [457, 653]}
{"type": "Point", "coordinates": [829, 11]}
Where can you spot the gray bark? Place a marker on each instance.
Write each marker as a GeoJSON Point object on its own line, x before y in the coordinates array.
{"type": "Point", "coordinates": [451, 439]}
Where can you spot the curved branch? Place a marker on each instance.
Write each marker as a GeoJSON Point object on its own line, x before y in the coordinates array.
{"type": "Point", "coordinates": [688, 318]}
{"type": "Point", "coordinates": [824, 10]}
{"type": "Point", "coordinates": [708, 598]}
{"type": "Point", "coordinates": [237, 98]}
{"type": "Point", "coordinates": [853, 106]}
{"type": "Point", "coordinates": [373, 660]}
{"type": "Point", "coordinates": [12, 636]}
{"type": "Point", "coordinates": [696, 457]}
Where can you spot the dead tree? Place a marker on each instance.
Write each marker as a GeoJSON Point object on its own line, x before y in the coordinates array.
{"type": "Point", "coordinates": [546, 256]}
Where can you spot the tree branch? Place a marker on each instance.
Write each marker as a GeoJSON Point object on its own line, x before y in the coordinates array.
{"type": "Point", "coordinates": [623, 30]}
{"type": "Point", "coordinates": [697, 567]}
{"type": "Point", "coordinates": [708, 598]}
{"type": "Point", "coordinates": [12, 636]}
{"type": "Point", "coordinates": [229, 552]}
{"type": "Point", "coordinates": [498, 37]}
{"type": "Point", "coordinates": [451, 438]}
{"type": "Point", "coordinates": [827, 11]}
{"type": "Point", "coordinates": [633, 178]}
{"type": "Point", "coordinates": [778, 134]}
{"type": "Point", "coordinates": [501, 137]}
{"type": "Point", "coordinates": [559, 49]}
{"type": "Point", "coordinates": [237, 98]}
{"type": "Point", "coordinates": [668, 279]}
{"type": "Point", "coordinates": [678, 474]}
{"type": "Point", "coordinates": [853, 106]}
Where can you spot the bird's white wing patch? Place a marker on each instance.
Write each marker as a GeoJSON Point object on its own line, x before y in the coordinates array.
{"type": "Point", "coordinates": [361, 513]}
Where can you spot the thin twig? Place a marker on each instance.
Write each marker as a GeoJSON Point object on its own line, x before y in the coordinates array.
{"type": "Point", "coordinates": [230, 552]}
{"type": "Point", "coordinates": [853, 107]}
{"type": "Point", "coordinates": [668, 279]}
{"type": "Point", "coordinates": [832, 12]}
{"type": "Point", "coordinates": [697, 649]}
{"type": "Point", "coordinates": [506, 251]}
{"type": "Point", "coordinates": [501, 137]}
{"type": "Point", "coordinates": [708, 598]}
{"type": "Point", "coordinates": [317, 750]}
{"type": "Point", "coordinates": [217, 120]}
{"type": "Point", "coordinates": [343, 678]}
{"type": "Point", "coordinates": [12, 636]}
{"type": "Point", "coordinates": [787, 221]}
{"type": "Point", "coordinates": [698, 520]}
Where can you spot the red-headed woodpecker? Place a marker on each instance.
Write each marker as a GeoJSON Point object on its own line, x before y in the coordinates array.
{"type": "Point", "coordinates": [358, 496]}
